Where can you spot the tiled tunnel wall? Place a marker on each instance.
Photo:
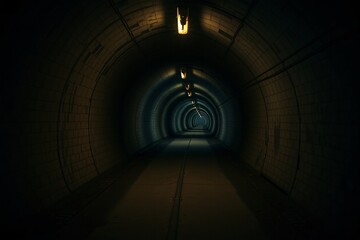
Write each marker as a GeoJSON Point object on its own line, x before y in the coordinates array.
{"type": "Point", "coordinates": [298, 99]}
{"type": "Point", "coordinates": [303, 119]}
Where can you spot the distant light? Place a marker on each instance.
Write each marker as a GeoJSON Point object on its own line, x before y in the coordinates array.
{"type": "Point", "coordinates": [197, 110]}
{"type": "Point", "coordinates": [189, 94]}
{"type": "Point", "coordinates": [187, 86]}
{"type": "Point", "coordinates": [183, 20]}
{"type": "Point", "coordinates": [193, 102]}
{"type": "Point", "coordinates": [183, 73]}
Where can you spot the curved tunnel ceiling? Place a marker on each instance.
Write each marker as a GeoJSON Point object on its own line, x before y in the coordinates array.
{"type": "Point", "coordinates": [165, 101]}
{"type": "Point", "coordinates": [92, 82]}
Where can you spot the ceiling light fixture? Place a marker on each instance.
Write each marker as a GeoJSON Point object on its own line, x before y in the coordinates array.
{"type": "Point", "coordinates": [183, 20]}
{"type": "Point", "coordinates": [183, 73]}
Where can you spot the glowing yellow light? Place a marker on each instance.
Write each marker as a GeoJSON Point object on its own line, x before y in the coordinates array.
{"type": "Point", "coordinates": [182, 20]}
{"type": "Point", "coordinates": [189, 94]}
{"type": "Point", "coordinates": [183, 73]}
{"type": "Point", "coordinates": [187, 86]}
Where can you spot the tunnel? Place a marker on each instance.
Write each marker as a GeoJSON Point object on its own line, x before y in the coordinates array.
{"type": "Point", "coordinates": [179, 119]}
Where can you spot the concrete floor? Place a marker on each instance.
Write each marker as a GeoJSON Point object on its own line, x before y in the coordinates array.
{"type": "Point", "coordinates": [190, 189]}
{"type": "Point", "coordinates": [206, 207]}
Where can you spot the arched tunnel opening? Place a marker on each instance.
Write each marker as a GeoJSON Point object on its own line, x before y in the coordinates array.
{"type": "Point", "coordinates": [159, 119]}
{"type": "Point", "coordinates": [171, 105]}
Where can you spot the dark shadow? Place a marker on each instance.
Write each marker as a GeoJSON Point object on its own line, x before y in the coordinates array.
{"type": "Point", "coordinates": [68, 219]}
{"type": "Point", "coordinates": [278, 215]}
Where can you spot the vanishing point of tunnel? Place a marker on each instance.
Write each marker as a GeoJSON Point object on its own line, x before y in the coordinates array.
{"type": "Point", "coordinates": [180, 119]}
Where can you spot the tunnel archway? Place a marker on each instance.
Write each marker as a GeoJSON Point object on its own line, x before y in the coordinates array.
{"type": "Point", "coordinates": [88, 85]}
{"type": "Point", "coordinates": [166, 109]}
